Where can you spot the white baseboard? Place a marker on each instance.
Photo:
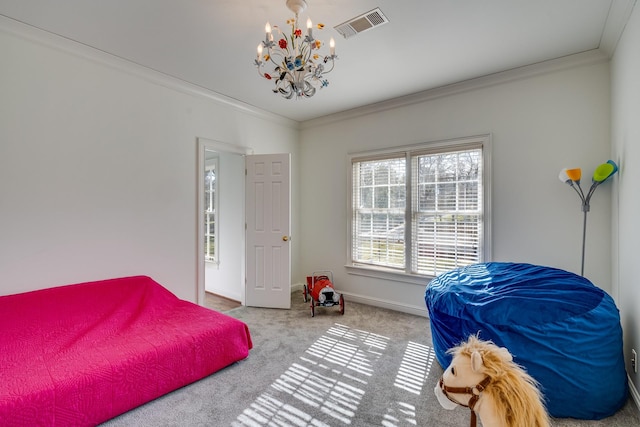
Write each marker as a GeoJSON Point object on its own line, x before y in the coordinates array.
{"type": "Point", "coordinates": [404, 308]}
{"type": "Point", "coordinates": [418, 311]}
{"type": "Point", "coordinates": [634, 393]}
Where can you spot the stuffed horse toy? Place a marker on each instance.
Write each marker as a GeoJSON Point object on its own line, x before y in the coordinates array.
{"type": "Point", "coordinates": [484, 378]}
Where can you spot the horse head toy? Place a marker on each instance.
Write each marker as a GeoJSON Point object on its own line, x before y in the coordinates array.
{"type": "Point", "coordinates": [484, 378]}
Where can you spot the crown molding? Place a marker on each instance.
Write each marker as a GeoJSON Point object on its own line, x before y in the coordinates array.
{"type": "Point", "coordinates": [577, 60]}
{"type": "Point", "coordinates": [55, 41]}
{"type": "Point", "coordinates": [619, 14]}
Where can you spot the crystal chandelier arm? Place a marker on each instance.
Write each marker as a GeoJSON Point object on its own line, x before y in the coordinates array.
{"type": "Point", "coordinates": [276, 56]}
{"type": "Point", "coordinates": [308, 89]}
{"type": "Point", "coordinates": [333, 63]}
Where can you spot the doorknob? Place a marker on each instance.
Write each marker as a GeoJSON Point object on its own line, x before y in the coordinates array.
{"type": "Point", "coordinates": [285, 238]}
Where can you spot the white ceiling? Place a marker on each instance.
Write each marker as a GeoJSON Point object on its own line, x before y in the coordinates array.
{"type": "Point", "coordinates": [426, 44]}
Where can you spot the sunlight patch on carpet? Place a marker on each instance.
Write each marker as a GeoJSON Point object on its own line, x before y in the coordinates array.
{"type": "Point", "coordinates": [400, 415]}
{"type": "Point", "coordinates": [352, 349]}
{"type": "Point", "coordinates": [411, 377]}
{"type": "Point", "coordinates": [328, 383]}
{"type": "Point", "coordinates": [415, 367]}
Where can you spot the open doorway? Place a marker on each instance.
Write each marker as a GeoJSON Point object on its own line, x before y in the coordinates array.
{"type": "Point", "coordinates": [221, 225]}
{"type": "Point", "coordinates": [231, 180]}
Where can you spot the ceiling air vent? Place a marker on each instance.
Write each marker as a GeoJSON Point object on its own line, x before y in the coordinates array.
{"type": "Point", "coordinates": [364, 22]}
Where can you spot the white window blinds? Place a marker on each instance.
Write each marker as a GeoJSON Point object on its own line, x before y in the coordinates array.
{"type": "Point", "coordinates": [447, 210]}
{"type": "Point", "coordinates": [379, 212]}
{"type": "Point", "coordinates": [420, 210]}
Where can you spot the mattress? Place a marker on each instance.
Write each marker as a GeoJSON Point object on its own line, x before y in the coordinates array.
{"type": "Point", "coordinates": [82, 354]}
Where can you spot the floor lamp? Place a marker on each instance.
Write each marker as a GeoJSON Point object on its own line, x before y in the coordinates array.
{"type": "Point", "coordinates": [572, 177]}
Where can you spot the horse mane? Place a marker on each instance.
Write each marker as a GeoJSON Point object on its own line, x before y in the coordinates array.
{"type": "Point", "coordinates": [515, 393]}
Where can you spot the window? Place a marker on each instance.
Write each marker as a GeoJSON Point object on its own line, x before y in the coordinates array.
{"type": "Point", "coordinates": [210, 209]}
{"type": "Point", "coordinates": [420, 210]}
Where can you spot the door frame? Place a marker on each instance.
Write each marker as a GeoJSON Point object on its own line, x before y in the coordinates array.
{"type": "Point", "coordinates": [204, 144]}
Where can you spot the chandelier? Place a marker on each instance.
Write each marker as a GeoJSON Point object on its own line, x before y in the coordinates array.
{"type": "Point", "coordinates": [298, 66]}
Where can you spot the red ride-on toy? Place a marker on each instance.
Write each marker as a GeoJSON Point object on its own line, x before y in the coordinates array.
{"type": "Point", "coordinates": [319, 289]}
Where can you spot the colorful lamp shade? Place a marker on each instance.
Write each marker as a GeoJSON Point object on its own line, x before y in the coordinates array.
{"type": "Point", "coordinates": [575, 174]}
{"type": "Point", "coordinates": [602, 172]}
{"type": "Point", "coordinates": [572, 177]}
{"type": "Point", "coordinates": [564, 177]}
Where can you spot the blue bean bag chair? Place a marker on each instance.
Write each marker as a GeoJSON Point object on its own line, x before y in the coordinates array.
{"type": "Point", "coordinates": [560, 327]}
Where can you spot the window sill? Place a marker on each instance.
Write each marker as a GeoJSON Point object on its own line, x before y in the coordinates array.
{"type": "Point", "coordinates": [215, 264]}
{"type": "Point", "coordinates": [387, 274]}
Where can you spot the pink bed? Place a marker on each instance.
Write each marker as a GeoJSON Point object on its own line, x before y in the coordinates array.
{"type": "Point", "coordinates": [81, 354]}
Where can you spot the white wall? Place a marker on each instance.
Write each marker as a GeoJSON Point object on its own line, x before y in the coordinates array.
{"type": "Point", "coordinates": [98, 164]}
{"type": "Point", "coordinates": [541, 120]}
{"type": "Point", "coordinates": [625, 107]}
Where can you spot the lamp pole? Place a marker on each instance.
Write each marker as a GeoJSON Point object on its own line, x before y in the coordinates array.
{"type": "Point", "coordinates": [585, 209]}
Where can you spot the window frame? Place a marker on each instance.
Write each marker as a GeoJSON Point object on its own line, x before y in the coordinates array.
{"type": "Point", "coordinates": [212, 163]}
{"type": "Point", "coordinates": [408, 151]}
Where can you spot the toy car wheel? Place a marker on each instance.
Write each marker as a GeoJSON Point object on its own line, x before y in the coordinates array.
{"type": "Point", "coordinates": [313, 311]}
{"type": "Point", "coordinates": [305, 293]}
{"type": "Point", "coordinates": [341, 304]}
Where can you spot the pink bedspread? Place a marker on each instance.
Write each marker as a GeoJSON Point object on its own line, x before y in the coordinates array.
{"type": "Point", "coordinates": [82, 354]}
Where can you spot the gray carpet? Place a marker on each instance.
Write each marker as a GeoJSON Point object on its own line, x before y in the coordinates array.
{"type": "Point", "coordinates": [370, 367]}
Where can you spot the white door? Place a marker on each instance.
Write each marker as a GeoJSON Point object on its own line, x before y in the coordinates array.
{"type": "Point", "coordinates": [268, 231]}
